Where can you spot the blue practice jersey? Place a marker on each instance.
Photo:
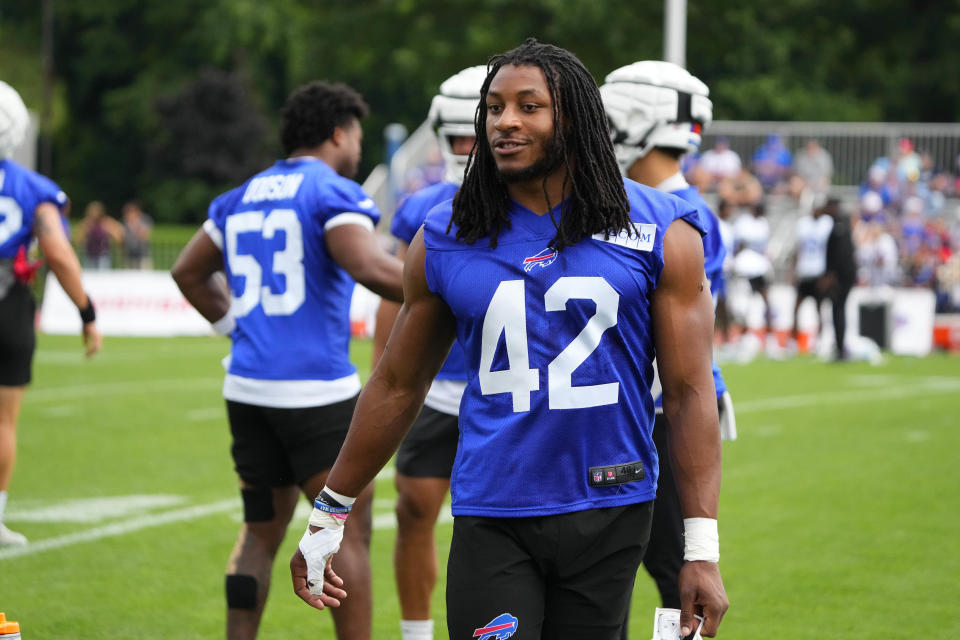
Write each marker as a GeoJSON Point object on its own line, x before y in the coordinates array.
{"type": "Point", "coordinates": [557, 414]}
{"type": "Point", "coordinates": [21, 192]}
{"type": "Point", "coordinates": [291, 300]}
{"type": "Point", "coordinates": [714, 253]}
{"type": "Point", "coordinates": [406, 222]}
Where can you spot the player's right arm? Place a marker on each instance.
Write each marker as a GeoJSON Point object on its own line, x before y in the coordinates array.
{"type": "Point", "coordinates": [392, 398]}
{"type": "Point", "coordinates": [357, 250]}
{"type": "Point", "coordinates": [196, 273]}
{"type": "Point", "coordinates": [682, 312]}
{"type": "Point", "coordinates": [55, 246]}
{"type": "Point", "coordinates": [386, 316]}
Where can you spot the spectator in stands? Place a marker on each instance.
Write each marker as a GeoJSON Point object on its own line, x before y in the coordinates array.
{"type": "Point", "coordinates": [98, 231]}
{"type": "Point", "coordinates": [717, 164]}
{"type": "Point", "coordinates": [877, 183]}
{"type": "Point", "coordinates": [877, 255]}
{"type": "Point", "coordinates": [137, 227]}
{"type": "Point", "coordinates": [936, 195]}
{"type": "Point", "coordinates": [742, 190]}
{"type": "Point", "coordinates": [871, 208]}
{"type": "Point", "coordinates": [908, 162]}
{"type": "Point", "coordinates": [772, 163]}
{"type": "Point", "coordinates": [814, 166]}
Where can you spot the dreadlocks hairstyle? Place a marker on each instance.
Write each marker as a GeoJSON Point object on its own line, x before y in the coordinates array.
{"type": "Point", "coordinates": [597, 203]}
{"type": "Point", "coordinates": [314, 110]}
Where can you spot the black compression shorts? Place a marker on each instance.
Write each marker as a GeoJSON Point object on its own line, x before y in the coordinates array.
{"type": "Point", "coordinates": [430, 447]}
{"type": "Point", "coordinates": [18, 340]}
{"type": "Point", "coordinates": [281, 447]}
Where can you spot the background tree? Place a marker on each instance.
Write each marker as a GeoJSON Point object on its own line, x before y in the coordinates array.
{"type": "Point", "coordinates": [136, 113]}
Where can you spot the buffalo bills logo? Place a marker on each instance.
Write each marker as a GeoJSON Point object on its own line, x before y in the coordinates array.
{"type": "Point", "coordinates": [500, 628]}
{"type": "Point", "coordinates": [543, 259]}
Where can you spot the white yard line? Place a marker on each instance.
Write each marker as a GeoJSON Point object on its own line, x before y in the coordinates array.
{"type": "Point", "coordinates": [53, 394]}
{"type": "Point", "coordinates": [778, 403]}
{"type": "Point", "coordinates": [121, 528]}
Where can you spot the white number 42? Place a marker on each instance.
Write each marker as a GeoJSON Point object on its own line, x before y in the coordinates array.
{"type": "Point", "coordinates": [506, 315]}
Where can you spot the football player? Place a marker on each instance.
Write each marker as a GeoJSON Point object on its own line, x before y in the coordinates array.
{"type": "Point", "coordinates": [30, 207]}
{"type": "Point", "coordinates": [425, 457]}
{"type": "Point", "coordinates": [560, 280]}
{"type": "Point", "coordinates": [292, 241]}
{"type": "Point", "coordinates": [657, 112]}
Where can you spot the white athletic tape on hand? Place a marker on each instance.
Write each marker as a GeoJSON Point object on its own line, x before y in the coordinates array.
{"type": "Point", "coordinates": [317, 549]}
{"type": "Point", "coordinates": [701, 541]}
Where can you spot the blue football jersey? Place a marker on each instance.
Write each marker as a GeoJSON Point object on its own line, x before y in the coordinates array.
{"type": "Point", "coordinates": [291, 300]}
{"type": "Point", "coordinates": [714, 253]}
{"type": "Point", "coordinates": [406, 222]}
{"type": "Point", "coordinates": [21, 191]}
{"type": "Point", "coordinates": [557, 414]}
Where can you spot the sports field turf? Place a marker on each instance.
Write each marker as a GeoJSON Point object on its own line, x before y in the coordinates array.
{"type": "Point", "coordinates": [838, 511]}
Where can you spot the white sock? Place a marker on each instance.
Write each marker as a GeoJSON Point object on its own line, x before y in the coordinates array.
{"type": "Point", "coordinates": [416, 629]}
{"type": "Point", "coordinates": [3, 504]}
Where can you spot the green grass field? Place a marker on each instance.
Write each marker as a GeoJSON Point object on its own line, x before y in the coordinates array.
{"type": "Point", "coordinates": [838, 511]}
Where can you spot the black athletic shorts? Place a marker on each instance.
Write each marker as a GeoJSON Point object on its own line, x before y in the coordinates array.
{"type": "Point", "coordinates": [807, 288]}
{"type": "Point", "coordinates": [430, 446]}
{"type": "Point", "coordinates": [281, 447]}
{"type": "Point", "coordinates": [568, 576]}
{"type": "Point", "coordinates": [18, 340]}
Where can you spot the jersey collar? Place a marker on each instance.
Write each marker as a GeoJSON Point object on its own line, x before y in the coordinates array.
{"type": "Point", "coordinates": [674, 183]}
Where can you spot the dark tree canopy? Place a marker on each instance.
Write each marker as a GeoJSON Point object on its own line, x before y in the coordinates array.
{"type": "Point", "coordinates": [174, 101]}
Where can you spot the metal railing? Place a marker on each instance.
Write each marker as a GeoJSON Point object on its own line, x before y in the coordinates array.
{"type": "Point", "coordinates": [854, 146]}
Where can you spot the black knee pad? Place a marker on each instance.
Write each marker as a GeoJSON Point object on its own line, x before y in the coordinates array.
{"type": "Point", "coordinates": [257, 504]}
{"type": "Point", "coordinates": [241, 592]}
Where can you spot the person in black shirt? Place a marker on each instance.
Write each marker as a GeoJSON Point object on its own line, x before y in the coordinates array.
{"type": "Point", "coordinates": [841, 271]}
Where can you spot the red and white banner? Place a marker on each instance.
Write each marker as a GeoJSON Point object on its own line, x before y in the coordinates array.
{"type": "Point", "coordinates": [128, 303]}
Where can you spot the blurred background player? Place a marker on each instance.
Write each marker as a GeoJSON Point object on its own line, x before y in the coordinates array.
{"type": "Point", "coordinates": [810, 264]}
{"type": "Point", "coordinates": [292, 241]}
{"type": "Point", "coordinates": [751, 235]}
{"type": "Point", "coordinates": [657, 111]}
{"type": "Point", "coordinates": [425, 458]}
{"type": "Point", "coordinates": [30, 207]}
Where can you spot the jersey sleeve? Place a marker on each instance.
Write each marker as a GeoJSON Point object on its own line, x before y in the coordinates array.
{"type": "Point", "coordinates": [216, 219]}
{"type": "Point", "coordinates": [407, 219]}
{"type": "Point", "coordinates": [438, 244]}
{"type": "Point", "coordinates": [344, 201]}
{"type": "Point", "coordinates": [46, 190]}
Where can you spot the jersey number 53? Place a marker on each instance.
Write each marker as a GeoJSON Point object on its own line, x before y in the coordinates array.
{"type": "Point", "coordinates": [287, 262]}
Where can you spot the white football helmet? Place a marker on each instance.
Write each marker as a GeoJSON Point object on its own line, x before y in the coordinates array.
{"type": "Point", "coordinates": [14, 120]}
{"type": "Point", "coordinates": [452, 113]}
{"type": "Point", "coordinates": [654, 104]}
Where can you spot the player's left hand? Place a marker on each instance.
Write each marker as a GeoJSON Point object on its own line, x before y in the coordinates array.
{"type": "Point", "coordinates": [701, 593]}
{"type": "Point", "coordinates": [331, 594]}
{"type": "Point", "coordinates": [92, 340]}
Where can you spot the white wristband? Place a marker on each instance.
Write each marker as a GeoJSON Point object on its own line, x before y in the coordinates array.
{"type": "Point", "coordinates": [701, 540]}
{"type": "Point", "coordinates": [225, 325]}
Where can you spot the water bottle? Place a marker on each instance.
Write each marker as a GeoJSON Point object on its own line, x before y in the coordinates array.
{"type": "Point", "coordinates": [9, 630]}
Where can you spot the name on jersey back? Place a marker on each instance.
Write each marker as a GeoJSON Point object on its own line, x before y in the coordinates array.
{"type": "Point", "coordinates": [275, 187]}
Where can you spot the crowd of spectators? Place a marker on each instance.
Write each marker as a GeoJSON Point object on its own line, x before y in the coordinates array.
{"type": "Point", "coordinates": [98, 233]}
{"type": "Point", "coordinates": [906, 228]}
